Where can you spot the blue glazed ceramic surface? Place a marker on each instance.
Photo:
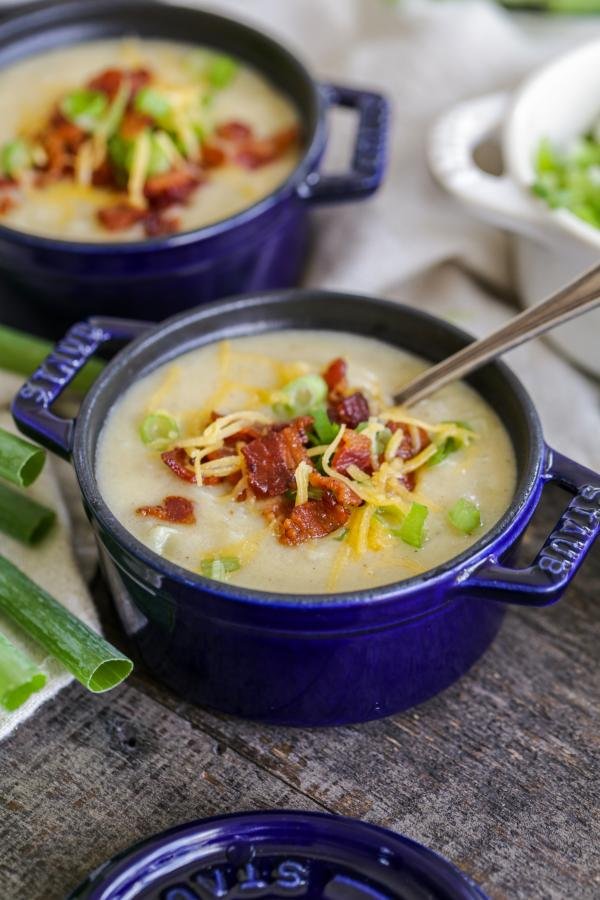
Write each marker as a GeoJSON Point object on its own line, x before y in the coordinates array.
{"type": "Point", "coordinates": [278, 854]}
{"type": "Point", "coordinates": [313, 660]}
{"type": "Point", "coordinates": [260, 248]}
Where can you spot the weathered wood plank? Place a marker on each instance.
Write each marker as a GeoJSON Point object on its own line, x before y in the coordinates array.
{"type": "Point", "coordinates": [90, 775]}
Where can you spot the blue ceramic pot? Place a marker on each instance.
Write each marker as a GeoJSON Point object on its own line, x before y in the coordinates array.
{"type": "Point", "coordinates": [322, 659]}
{"type": "Point", "coordinates": [262, 247]}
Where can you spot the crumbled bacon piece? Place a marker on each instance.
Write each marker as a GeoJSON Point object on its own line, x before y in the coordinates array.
{"type": "Point", "coordinates": [313, 519]}
{"type": "Point", "coordinates": [335, 375]}
{"type": "Point", "coordinates": [61, 140]}
{"type": "Point", "coordinates": [104, 175]}
{"type": "Point", "coordinates": [218, 479]}
{"type": "Point", "coordinates": [271, 459]}
{"type": "Point", "coordinates": [342, 493]}
{"type": "Point", "coordinates": [256, 152]}
{"type": "Point", "coordinates": [233, 131]}
{"type": "Point", "coordinates": [120, 216]}
{"type": "Point", "coordinates": [170, 187]}
{"type": "Point", "coordinates": [212, 156]}
{"type": "Point", "coordinates": [133, 123]}
{"type": "Point", "coordinates": [354, 449]}
{"type": "Point", "coordinates": [409, 480]}
{"type": "Point", "coordinates": [178, 461]}
{"type": "Point", "coordinates": [275, 509]}
{"type": "Point", "coordinates": [6, 181]}
{"type": "Point", "coordinates": [110, 80]}
{"type": "Point", "coordinates": [179, 510]}
{"type": "Point", "coordinates": [156, 224]}
{"type": "Point", "coordinates": [6, 204]}
{"type": "Point", "coordinates": [408, 448]}
{"type": "Point", "coordinates": [243, 436]}
{"type": "Point", "coordinates": [351, 410]}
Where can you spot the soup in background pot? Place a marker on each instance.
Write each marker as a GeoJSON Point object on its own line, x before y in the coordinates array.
{"type": "Point", "coordinates": [278, 462]}
{"type": "Point", "coordinates": [126, 139]}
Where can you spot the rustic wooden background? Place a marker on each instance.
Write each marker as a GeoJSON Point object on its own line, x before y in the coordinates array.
{"type": "Point", "coordinates": [499, 773]}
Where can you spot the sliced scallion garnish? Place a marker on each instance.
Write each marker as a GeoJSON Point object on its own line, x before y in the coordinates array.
{"type": "Point", "coordinates": [300, 396]}
{"type": "Point", "coordinates": [465, 516]}
{"type": "Point", "coordinates": [341, 535]}
{"type": "Point", "coordinates": [15, 157]}
{"type": "Point", "coordinates": [221, 71]}
{"type": "Point", "coordinates": [158, 430]}
{"type": "Point", "coordinates": [153, 103]}
{"type": "Point", "coordinates": [449, 445]}
{"type": "Point", "coordinates": [84, 107]}
{"type": "Point", "coordinates": [412, 530]}
{"type": "Point", "coordinates": [323, 427]}
{"type": "Point", "coordinates": [219, 567]}
{"type": "Point", "coordinates": [19, 677]}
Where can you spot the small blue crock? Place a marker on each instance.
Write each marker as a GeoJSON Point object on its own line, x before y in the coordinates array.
{"type": "Point", "coordinates": [262, 247]}
{"type": "Point", "coordinates": [312, 660]}
{"type": "Point", "coordinates": [278, 854]}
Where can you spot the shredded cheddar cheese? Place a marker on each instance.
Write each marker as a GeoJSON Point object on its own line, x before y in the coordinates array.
{"type": "Point", "coordinates": [301, 476]}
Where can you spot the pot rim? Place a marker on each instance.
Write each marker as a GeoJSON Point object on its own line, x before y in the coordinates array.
{"type": "Point", "coordinates": [460, 566]}
{"type": "Point", "coordinates": [314, 142]}
{"type": "Point", "coordinates": [511, 139]}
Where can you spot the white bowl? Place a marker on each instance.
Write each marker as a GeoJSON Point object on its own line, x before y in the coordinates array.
{"type": "Point", "coordinates": [551, 247]}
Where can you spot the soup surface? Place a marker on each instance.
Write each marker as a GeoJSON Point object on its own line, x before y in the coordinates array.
{"type": "Point", "coordinates": [122, 139]}
{"type": "Point", "coordinates": [311, 481]}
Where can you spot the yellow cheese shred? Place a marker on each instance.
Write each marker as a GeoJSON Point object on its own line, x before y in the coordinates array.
{"type": "Point", "coordinates": [301, 475]}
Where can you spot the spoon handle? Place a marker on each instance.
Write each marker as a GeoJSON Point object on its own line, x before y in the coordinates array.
{"type": "Point", "coordinates": [576, 298]}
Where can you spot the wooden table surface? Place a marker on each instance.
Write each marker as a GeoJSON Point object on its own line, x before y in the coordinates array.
{"type": "Point", "coordinates": [499, 773]}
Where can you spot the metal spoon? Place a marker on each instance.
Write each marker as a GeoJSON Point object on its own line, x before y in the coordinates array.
{"type": "Point", "coordinates": [576, 298]}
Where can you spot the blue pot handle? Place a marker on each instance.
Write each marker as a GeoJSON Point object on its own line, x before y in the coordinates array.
{"type": "Point", "coordinates": [563, 552]}
{"type": "Point", "coordinates": [32, 407]}
{"type": "Point", "coordinates": [370, 150]}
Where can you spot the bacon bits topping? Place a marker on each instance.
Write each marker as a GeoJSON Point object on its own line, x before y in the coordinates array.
{"type": "Point", "coordinates": [120, 216]}
{"type": "Point", "coordinates": [257, 152]}
{"type": "Point", "coordinates": [156, 224]}
{"type": "Point", "coordinates": [313, 519]}
{"type": "Point", "coordinates": [109, 81]}
{"type": "Point", "coordinates": [233, 131]}
{"type": "Point", "coordinates": [271, 460]}
{"type": "Point", "coordinates": [179, 463]}
{"type": "Point", "coordinates": [342, 493]}
{"type": "Point", "coordinates": [350, 411]}
{"type": "Point", "coordinates": [178, 510]}
{"type": "Point", "coordinates": [409, 445]}
{"type": "Point", "coordinates": [171, 187]}
{"type": "Point", "coordinates": [353, 450]}
{"type": "Point", "coordinates": [335, 376]}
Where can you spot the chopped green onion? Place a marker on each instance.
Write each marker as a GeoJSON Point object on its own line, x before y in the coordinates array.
{"type": "Point", "coordinates": [382, 439]}
{"type": "Point", "coordinates": [341, 535]}
{"type": "Point", "coordinates": [84, 107]}
{"type": "Point", "coordinates": [570, 178]}
{"type": "Point", "coordinates": [93, 661]}
{"type": "Point", "coordinates": [449, 445]}
{"type": "Point", "coordinates": [361, 426]}
{"type": "Point", "coordinates": [19, 677]}
{"type": "Point", "coordinates": [121, 151]}
{"type": "Point", "coordinates": [152, 103]}
{"type": "Point", "coordinates": [20, 461]}
{"type": "Point", "coordinates": [158, 430]}
{"type": "Point", "coordinates": [15, 156]}
{"type": "Point", "coordinates": [324, 428]}
{"type": "Point", "coordinates": [465, 516]}
{"type": "Point", "coordinates": [412, 530]}
{"type": "Point", "coordinates": [23, 518]}
{"type": "Point", "coordinates": [219, 567]}
{"type": "Point", "coordinates": [390, 516]}
{"type": "Point", "coordinates": [300, 396]}
{"type": "Point", "coordinates": [22, 353]}
{"type": "Point", "coordinates": [221, 71]}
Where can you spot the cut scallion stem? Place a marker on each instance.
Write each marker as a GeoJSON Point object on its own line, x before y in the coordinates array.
{"type": "Point", "coordinates": [219, 567]}
{"type": "Point", "coordinates": [465, 516]}
{"type": "Point", "coordinates": [158, 430]}
{"type": "Point", "coordinates": [449, 445]}
{"type": "Point", "coordinates": [15, 157]}
{"type": "Point", "coordinates": [84, 107]}
{"type": "Point", "coordinates": [341, 535]}
{"type": "Point", "coordinates": [19, 677]}
{"type": "Point", "coordinates": [152, 103]}
{"type": "Point", "coordinates": [324, 428]}
{"type": "Point", "coordinates": [221, 71]}
{"type": "Point", "coordinates": [23, 518]}
{"type": "Point", "coordinates": [20, 461]}
{"type": "Point", "coordinates": [23, 353]}
{"type": "Point", "coordinates": [300, 396]}
{"type": "Point", "coordinates": [91, 659]}
{"type": "Point", "coordinates": [412, 530]}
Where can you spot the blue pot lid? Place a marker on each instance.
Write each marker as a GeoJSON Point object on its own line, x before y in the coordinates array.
{"type": "Point", "coordinates": [278, 855]}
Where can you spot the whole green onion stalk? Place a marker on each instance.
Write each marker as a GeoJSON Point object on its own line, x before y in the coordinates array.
{"type": "Point", "coordinates": [91, 659]}
{"type": "Point", "coordinates": [22, 353]}
{"type": "Point", "coordinates": [22, 518]}
{"type": "Point", "coordinates": [20, 461]}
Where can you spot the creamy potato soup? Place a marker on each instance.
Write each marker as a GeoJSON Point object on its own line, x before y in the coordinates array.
{"type": "Point", "coordinates": [126, 139]}
{"type": "Point", "coordinates": [279, 462]}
